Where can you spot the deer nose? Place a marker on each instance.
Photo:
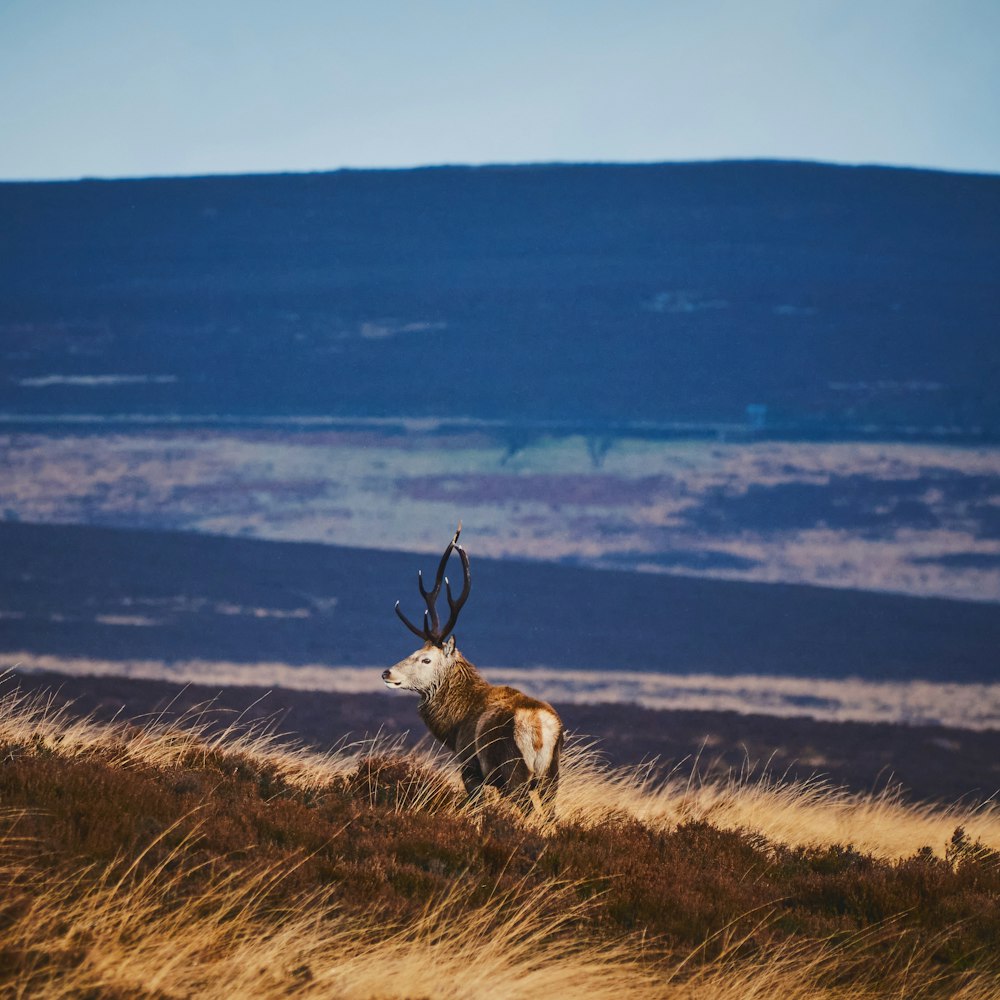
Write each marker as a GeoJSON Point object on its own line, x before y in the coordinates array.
{"type": "Point", "coordinates": [386, 674]}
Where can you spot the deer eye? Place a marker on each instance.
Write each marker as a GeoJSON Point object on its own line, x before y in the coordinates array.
{"type": "Point", "coordinates": [426, 659]}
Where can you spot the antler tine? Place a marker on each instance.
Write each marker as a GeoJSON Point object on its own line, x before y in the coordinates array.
{"type": "Point", "coordinates": [430, 599]}
{"type": "Point", "coordinates": [457, 605]}
{"type": "Point", "coordinates": [413, 628]}
{"type": "Point", "coordinates": [432, 631]}
{"type": "Point", "coordinates": [435, 633]}
{"type": "Point", "coordinates": [442, 565]}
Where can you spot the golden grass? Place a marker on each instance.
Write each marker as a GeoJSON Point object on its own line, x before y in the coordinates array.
{"type": "Point", "coordinates": [164, 923]}
{"type": "Point", "coordinates": [124, 933]}
{"type": "Point", "coordinates": [807, 813]}
{"type": "Point", "coordinates": [159, 742]}
{"type": "Point", "coordinates": [129, 932]}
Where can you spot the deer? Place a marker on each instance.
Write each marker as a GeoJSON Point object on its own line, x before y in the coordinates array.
{"type": "Point", "coordinates": [503, 738]}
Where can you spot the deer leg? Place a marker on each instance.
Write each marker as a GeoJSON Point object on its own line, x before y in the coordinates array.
{"type": "Point", "coordinates": [521, 796]}
{"type": "Point", "coordinates": [544, 797]}
{"type": "Point", "coordinates": [548, 785]}
{"type": "Point", "coordinates": [536, 803]}
{"type": "Point", "coordinates": [520, 788]}
{"type": "Point", "coordinates": [472, 778]}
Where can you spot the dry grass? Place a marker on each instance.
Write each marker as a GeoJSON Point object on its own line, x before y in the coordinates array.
{"type": "Point", "coordinates": [200, 860]}
{"type": "Point", "coordinates": [121, 932]}
{"type": "Point", "coordinates": [517, 501]}
{"type": "Point", "coordinates": [124, 932]}
{"type": "Point", "coordinates": [161, 741]}
{"type": "Point", "coordinates": [810, 813]}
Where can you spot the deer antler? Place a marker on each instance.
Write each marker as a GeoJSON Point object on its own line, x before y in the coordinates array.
{"type": "Point", "coordinates": [432, 631]}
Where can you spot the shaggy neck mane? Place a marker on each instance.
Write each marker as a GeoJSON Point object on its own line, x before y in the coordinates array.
{"type": "Point", "coordinates": [460, 695]}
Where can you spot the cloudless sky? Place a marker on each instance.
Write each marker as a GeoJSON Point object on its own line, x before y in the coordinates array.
{"type": "Point", "coordinates": [117, 88]}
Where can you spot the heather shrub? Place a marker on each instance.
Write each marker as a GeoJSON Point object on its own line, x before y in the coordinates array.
{"type": "Point", "coordinates": [171, 832]}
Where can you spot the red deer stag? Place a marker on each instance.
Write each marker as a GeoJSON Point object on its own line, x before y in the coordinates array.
{"type": "Point", "coordinates": [502, 737]}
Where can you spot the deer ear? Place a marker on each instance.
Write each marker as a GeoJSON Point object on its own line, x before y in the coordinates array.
{"type": "Point", "coordinates": [449, 646]}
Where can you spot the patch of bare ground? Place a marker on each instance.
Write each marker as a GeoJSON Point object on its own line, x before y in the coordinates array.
{"type": "Point", "coordinates": [170, 859]}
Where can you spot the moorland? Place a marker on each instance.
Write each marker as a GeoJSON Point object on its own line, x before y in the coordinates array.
{"type": "Point", "coordinates": [157, 859]}
{"type": "Point", "coordinates": [724, 437]}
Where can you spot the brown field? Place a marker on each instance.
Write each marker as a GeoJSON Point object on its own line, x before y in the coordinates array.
{"type": "Point", "coordinates": [177, 860]}
{"type": "Point", "coordinates": [903, 518]}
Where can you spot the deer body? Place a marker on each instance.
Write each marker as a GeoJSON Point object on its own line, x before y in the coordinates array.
{"type": "Point", "coordinates": [502, 737]}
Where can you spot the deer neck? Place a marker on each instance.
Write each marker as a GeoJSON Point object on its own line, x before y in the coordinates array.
{"type": "Point", "coordinates": [460, 695]}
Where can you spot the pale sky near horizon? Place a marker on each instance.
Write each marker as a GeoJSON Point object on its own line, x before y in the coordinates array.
{"type": "Point", "coordinates": [115, 89]}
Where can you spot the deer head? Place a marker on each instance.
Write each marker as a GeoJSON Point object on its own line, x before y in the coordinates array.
{"type": "Point", "coordinates": [424, 669]}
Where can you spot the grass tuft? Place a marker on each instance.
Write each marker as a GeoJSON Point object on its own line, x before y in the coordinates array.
{"type": "Point", "coordinates": [213, 858]}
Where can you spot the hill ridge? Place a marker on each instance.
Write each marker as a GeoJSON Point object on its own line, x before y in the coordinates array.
{"type": "Point", "coordinates": [822, 296]}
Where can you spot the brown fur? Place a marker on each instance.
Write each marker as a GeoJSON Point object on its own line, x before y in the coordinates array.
{"type": "Point", "coordinates": [477, 720]}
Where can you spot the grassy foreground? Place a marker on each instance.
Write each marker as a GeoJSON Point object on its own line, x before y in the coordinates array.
{"type": "Point", "coordinates": [164, 860]}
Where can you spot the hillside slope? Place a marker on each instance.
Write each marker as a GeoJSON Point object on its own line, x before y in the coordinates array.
{"type": "Point", "coordinates": [922, 763]}
{"type": "Point", "coordinates": [114, 595]}
{"type": "Point", "coordinates": [839, 299]}
{"type": "Point", "coordinates": [156, 861]}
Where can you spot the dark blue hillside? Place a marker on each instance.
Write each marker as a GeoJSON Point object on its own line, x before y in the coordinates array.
{"type": "Point", "coordinates": [835, 297]}
{"type": "Point", "coordinates": [75, 591]}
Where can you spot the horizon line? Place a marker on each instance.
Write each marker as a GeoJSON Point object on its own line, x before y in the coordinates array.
{"type": "Point", "coordinates": [504, 165]}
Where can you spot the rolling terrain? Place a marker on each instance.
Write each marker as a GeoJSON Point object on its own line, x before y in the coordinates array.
{"type": "Point", "coordinates": [796, 680]}
{"type": "Point", "coordinates": [916, 519]}
{"type": "Point", "coordinates": [917, 763]}
{"type": "Point", "coordinates": [77, 591]}
{"type": "Point", "coordinates": [161, 858]}
{"type": "Point", "coordinates": [757, 298]}
{"type": "Point", "coordinates": [725, 433]}
{"type": "Point", "coordinates": [726, 441]}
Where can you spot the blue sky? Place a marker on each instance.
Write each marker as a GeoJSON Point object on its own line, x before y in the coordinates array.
{"type": "Point", "coordinates": [135, 88]}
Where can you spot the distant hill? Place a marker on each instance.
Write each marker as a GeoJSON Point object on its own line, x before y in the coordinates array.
{"type": "Point", "coordinates": [76, 591]}
{"type": "Point", "coordinates": [787, 297]}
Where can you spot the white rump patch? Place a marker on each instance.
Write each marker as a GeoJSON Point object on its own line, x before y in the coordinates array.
{"type": "Point", "coordinates": [535, 733]}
